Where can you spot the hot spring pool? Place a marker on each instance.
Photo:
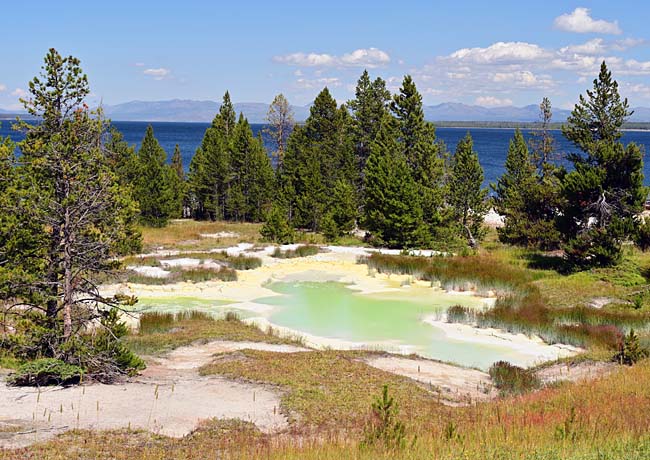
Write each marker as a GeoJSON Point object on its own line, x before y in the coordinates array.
{"type": "Point", "coordinates": [337, 315]}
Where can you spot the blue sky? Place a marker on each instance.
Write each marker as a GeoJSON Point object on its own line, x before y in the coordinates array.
{"type": "Point", "coordinates": [475, 52]}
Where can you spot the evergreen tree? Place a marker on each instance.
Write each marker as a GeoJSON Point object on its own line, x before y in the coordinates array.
{"type": "Point", "coordinates": [368, 108]}
{"type": "Point", "coordinates": [277, 229]}
{"type": "Point", "coordinates": [123, 157]}
{"type": "Point", "coordinates": [318, 154]}
{"type": "Point", "coordinates": [341, 218]}
{"type": "Point", "coordinates": [393, 212]}
{"type": "Point", "coordinates": [178, 183]}
{"type": "Point", "coordinates": [209, 169]}
{"type": "Point", "coordinates": [418, 142]}
{"type": "Point", "coordinates": [513, 192]}
{"type": "Point", "coordinates": [605, 190]}
{"type": "Point", "coordinates": [465, 195]}
{"type": "Point", "coordinates": [154, 188]}
{"type": "Point", "coordinates": [250, 176]}
{"type": "Point", "coordinates": [79, 218]}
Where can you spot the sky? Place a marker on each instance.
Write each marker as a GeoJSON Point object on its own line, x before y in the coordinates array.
{"type": "Point", "coordinates": [496, 53]}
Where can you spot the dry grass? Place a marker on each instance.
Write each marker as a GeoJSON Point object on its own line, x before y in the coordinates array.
{"type": "Point", "coordinates": [186, 234]}
{"type": "Point", "coordinates": [605, 419]}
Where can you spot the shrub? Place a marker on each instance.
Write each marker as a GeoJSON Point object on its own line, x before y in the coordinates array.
{"type": "Point", "coordinates": [46, 371]}
{"type": "Point", "coordinates": [511, 379]}
{"type": "Point", "coordinates": [631, 351]}
{"type": "Point", "coordinates": [458, 314]}
{"type": "Point", "coordinates": [642, 235]}
{"type": "Point", "coordinates": [276, 229]}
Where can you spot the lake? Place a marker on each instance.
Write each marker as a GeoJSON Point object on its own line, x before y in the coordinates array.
{"type": "Point", "coordinates": [490, 143]}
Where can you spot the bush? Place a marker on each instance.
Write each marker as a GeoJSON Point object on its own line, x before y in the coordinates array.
{"type": "Point", "coordinates": [458, 314]}
{"type": "Point", "coordinates": [276, 229]}
{"type": "Point", "coordinates": [511, 380]}
{"type": "Point", "coordinates": [46, 371]}
{"type": "Point", "coordinates": [631, 351]}
{"type": "Point", "coordinates": [642, 235]}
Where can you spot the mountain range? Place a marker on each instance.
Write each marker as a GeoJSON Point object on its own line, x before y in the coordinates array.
{"type": "Point", "coordinates": [184, 110]}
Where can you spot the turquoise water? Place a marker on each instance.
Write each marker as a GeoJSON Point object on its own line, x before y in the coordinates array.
{"type": "Point", "coordinates": [394, 319]}
{"type": "Point", "coordinates": [391, 321]}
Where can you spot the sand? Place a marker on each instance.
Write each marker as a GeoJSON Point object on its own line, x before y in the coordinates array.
{"type": "Point", "coordinates": [455, 385]}
{"type": "Point", "coordinates": [169, 398]}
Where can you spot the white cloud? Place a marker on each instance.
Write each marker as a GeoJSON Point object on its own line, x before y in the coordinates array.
{"type": "Point", "coordinates": [370, 57]}
{"type": "Point", "coordinates": [595, 46]}
{"type": "Point", "coordinates": [307, 60]}
{"type": "Point", "coordinates": [139, 64]}
{"type": "Point", "coordinates": [580, 21]}
{"type": "Point", "coordinates": [3, 87]}
{"type": "Point", "coordinates": [522, 78]}
{"type": "Point", "coordinates": [298, 73]}
{"type": "Point", "coordinates": [491, 101]}
{"type": "Point", "coordinates": [157, 74]}
{"type": "Point", "coordinates": [364, 57]}
{"type": "Point", "coordinates": [318, 83]}
{"type": "Point", "coordinates": [626, 43]}
{"type": "Point", "coordinates": [499, 53]}
{"type": "Point", "coordinates": [19, 92]}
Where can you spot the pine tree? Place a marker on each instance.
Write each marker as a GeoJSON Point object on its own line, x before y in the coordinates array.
{"type": "Point", "coordinates": [341, 217]}
{"type": "Point", "coordinates": [423, 154]}
{"type": "Point", "coordinates": [368, 108]}
{"type": "Point", "coordinates": [393, 212]}
{"type": "Point", "coordinates": [250, 175]}
{"type": "Point", "coordinates": [209, 168]}
{"type": "Point", "coordinates": [318, 154]}
{"type": "Point", "coordinates": [605, 190]}
{"type": "Point", "coordinates": [178, 183]}
{"type": "Point", "coordinates": [513, 192]}
{"type": "Point", "coordinates": [79, 218]}
{"type": "Point", "coordinates": [153, 188]}
{"type": "Point", "coordinates": [465, 195]}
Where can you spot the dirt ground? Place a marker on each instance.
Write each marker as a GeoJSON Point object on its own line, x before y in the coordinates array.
{"type": "Point", "coordinates": [169, 398]}
{"type": "Point", "coordinates": [456, 385]}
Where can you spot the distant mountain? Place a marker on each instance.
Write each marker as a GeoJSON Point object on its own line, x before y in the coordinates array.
{"type": "Point", "coordinates": [204, 111]}
{"type": "Point", "coordinates": [190, 111]}
{"type": "Point", "coordinates": [453, 111]}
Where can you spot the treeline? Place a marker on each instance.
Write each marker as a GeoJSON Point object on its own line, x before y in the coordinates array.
{"type": "Point", "coordinates": [375, 163]}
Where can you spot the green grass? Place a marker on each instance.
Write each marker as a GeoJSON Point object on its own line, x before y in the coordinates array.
{"type": "Point", "coordinates": [325, 388]}
{"type": "Point", "coordinates": [300, 251]}
{"type": "Point", "coordinates": [178, 275]}
{"type": "Point", "coordinates": [161, 332]}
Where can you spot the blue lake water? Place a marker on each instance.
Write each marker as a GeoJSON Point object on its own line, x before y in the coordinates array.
{"type": "Point", "coordinates": [491, 144]}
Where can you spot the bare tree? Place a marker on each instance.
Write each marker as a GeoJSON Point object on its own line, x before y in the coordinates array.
{"type": "Point", "coordinates": [281, 122]}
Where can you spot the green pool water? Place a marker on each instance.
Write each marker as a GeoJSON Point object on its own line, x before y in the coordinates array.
{"type": "Point", "coordinates": [391, 321]}
{"type": "Point", "coordinates": [394, 319]}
